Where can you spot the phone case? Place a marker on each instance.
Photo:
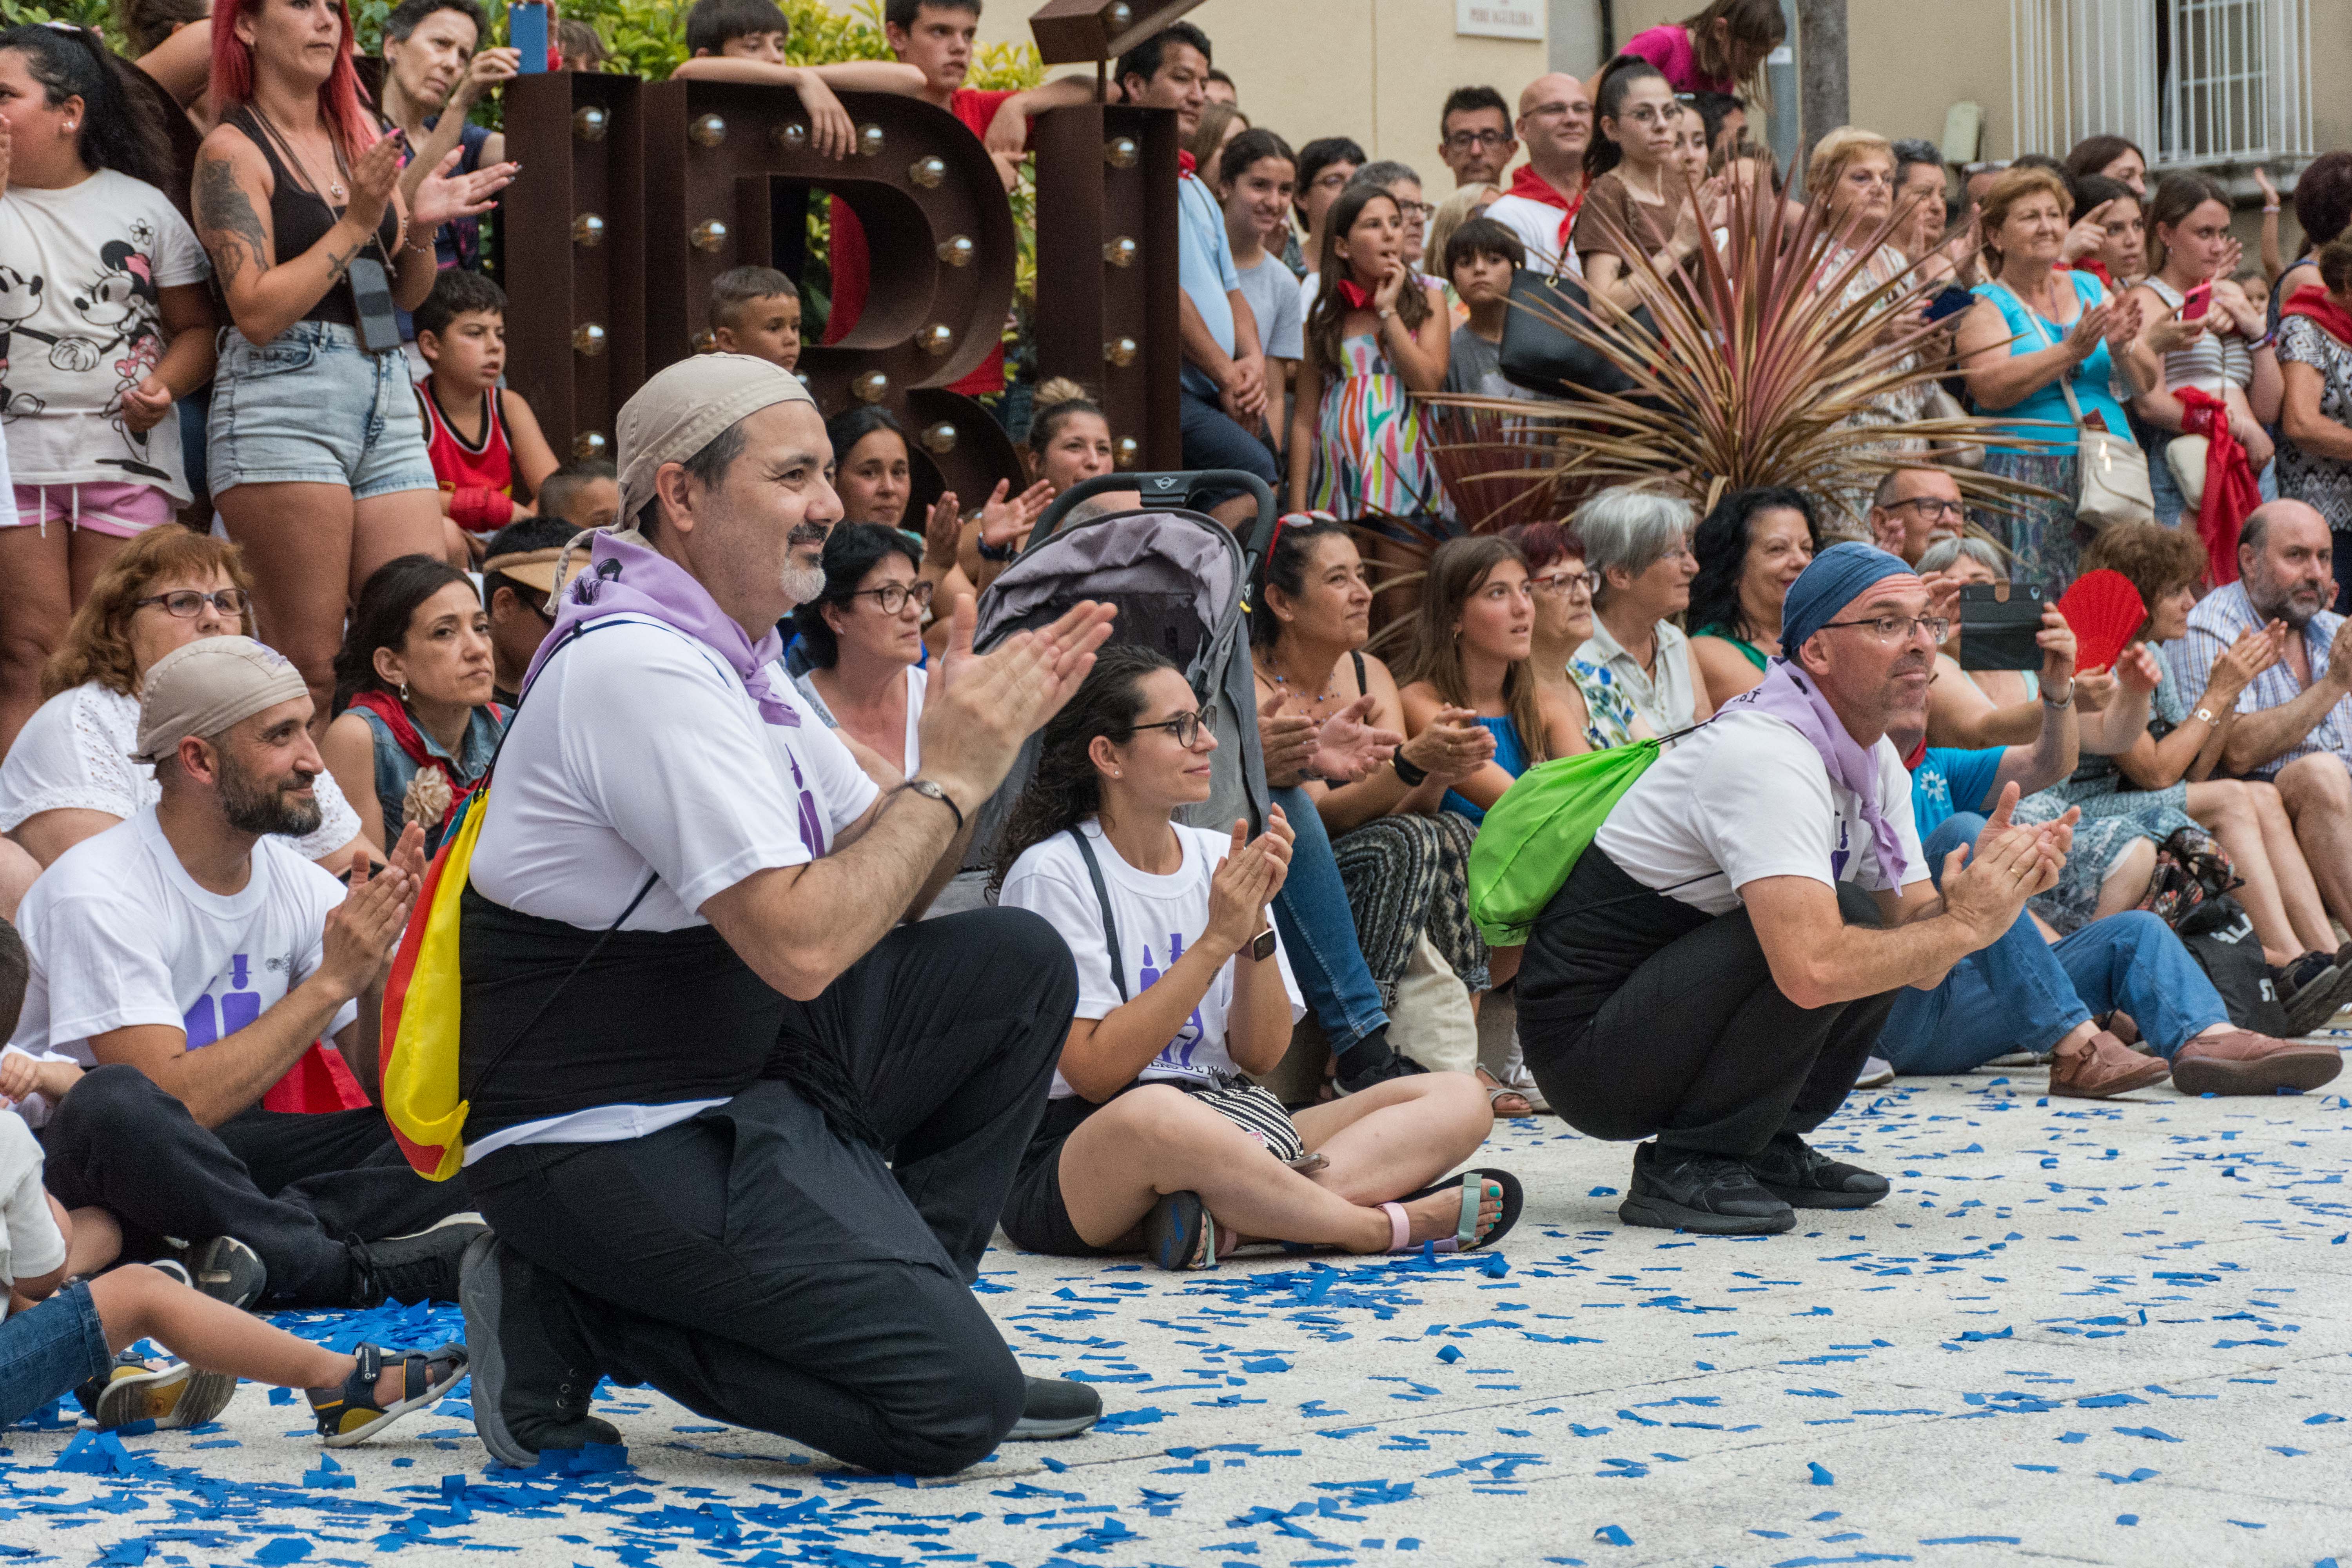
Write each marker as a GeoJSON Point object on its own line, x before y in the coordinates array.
{"type": "Point", "coordinates": [527, 31]}
{"type": "Point", "coordinates": [1999, 635]}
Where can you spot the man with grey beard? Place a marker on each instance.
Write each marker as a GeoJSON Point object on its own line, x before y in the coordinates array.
{"type": "Point", "coordinates": [2292, 726]}
{"type": "Point", "coordinates": [191, 961]}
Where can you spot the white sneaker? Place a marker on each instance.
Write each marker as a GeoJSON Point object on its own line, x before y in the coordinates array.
{"type": "Point", "coordinates": [1876, 1073]}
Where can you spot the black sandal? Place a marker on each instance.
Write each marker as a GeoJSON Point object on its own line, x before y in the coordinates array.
{"type": "Point", "coordinates": [353, 1416]}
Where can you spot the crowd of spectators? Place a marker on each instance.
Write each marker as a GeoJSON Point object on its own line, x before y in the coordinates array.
{"type": "Point", "coordinates": [289, 553]}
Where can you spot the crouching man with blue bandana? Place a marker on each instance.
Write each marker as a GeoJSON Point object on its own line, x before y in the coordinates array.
{"type": "Point", "coordinates": [1725, 953]}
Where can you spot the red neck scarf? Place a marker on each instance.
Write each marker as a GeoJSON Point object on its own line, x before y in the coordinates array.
{"type": "Point", "coordinates": [2096, 268]}
{"type": "Point", "coordinates": [2230, 492]}
{"type": "Point", "coordinates": [1186, 162]}
{"type": "Point", "coordinates": [1526, 182]}
{"type": "Point", "coordinates": [2313, 302]}
{"type": "Point", "coordinates": [405, 735]}
{"type": "Point", "coordinates": [1354, 294]}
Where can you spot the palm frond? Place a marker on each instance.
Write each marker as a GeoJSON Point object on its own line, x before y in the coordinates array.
{"type": "Point", "coordinates": [1752, 368]}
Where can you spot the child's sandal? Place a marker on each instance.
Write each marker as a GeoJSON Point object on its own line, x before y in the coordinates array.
{"type": "Point", "coordinates": [353, 1416]}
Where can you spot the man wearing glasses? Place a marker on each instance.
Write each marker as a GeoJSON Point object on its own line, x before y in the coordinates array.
{"type": "Point", "coordinates": [1473, 136]}
{"type": "Point", "coordinates": [1726, 951]}
{"type": "Point", "coordinates": [1912, 509]}
{"type": "Point", "coordinates": [1540, 206]}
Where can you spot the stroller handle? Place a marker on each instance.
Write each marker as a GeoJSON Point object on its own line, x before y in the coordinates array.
{"type": "Point", "coordinates": [1168, 492]}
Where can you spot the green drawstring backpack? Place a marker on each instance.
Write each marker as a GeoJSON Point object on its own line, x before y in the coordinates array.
{"type": "Point", "coordinates": [1534, 835]}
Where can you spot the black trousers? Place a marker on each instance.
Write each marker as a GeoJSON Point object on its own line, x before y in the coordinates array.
{"type": "Point", "coordinates": [295, 1188]}
{"type": "Point", "coordinates": [761, 1269]}
{"type": "Point", "coordinates": [1646, 1018]}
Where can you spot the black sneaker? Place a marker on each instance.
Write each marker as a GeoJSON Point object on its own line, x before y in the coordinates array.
{"type": "Point", "coordinates": [421, 1267]}
{"type": "Point", "coordinates": [1371, 1060]}
{"type": "Point", "coordinates": [1673, 1189]}
{"type": "Point", "coordinates": [2312, 989]}
{"type": "Point", "coordinates": [1798, 1174]}
{"type": "Point", "coordinates": [1054, 1408]}
{"type": "Point", "coordinates": [222, 1268]}
{"type": "Point", "coordinates": [532, 1386]}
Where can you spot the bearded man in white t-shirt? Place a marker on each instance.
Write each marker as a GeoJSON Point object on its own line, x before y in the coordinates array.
{"type": "Point", "coordinates": [742, 1128]}
{"type": "Point", "coordinates": [1715, 969]}
{"type": "Point", "coordinates": [190, 960]}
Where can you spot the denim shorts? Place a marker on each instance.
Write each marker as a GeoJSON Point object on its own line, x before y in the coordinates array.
{"type": "Point", "coordinates": [311, 406]}
{"type": "Point", "coordinates": [51, 1349]}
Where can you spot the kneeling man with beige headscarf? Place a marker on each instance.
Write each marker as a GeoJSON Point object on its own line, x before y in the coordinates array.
{"type": "Point", "coordinates": [743, 1134]}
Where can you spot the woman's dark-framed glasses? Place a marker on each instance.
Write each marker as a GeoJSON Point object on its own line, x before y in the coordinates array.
{"type": "Point", "coordinates": [188, 604]}
{"type": "Point", "coordinates": [1185, 727]}
{"type": "Point", "coordinates": [893, 596]}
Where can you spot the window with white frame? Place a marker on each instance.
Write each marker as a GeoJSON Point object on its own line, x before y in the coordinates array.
{"type": "Point", "coordinates": [2191, 81]}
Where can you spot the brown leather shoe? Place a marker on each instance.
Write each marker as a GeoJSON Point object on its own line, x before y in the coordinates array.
{"type": "Point", "coordinates": [2243, 1063]}
{"type": "Point", "coordinates": [2102, 1067]}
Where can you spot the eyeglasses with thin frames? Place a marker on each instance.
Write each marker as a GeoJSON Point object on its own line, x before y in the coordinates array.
{"type": "Point", "coordinates": [1891, 629]}
{"type": "Point", "coordinates": [1464, 140]}
{"type": "Point", "coordinates": [187, 604]}
{"type": "Point", "coordinates": [1933, 506]}
{"type": "Point", "coordinates": [1559, 582]}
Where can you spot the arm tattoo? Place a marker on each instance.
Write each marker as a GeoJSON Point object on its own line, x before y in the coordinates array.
{"type": "Point", "coordinates": [226, 214]}
{"type": "Point", "coordinates": [336, 264]}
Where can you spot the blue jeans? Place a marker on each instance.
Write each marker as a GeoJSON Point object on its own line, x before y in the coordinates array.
{"type": "Point", "coordinates": [49, 1351]}
{"type": "Point", "coordinates": [1212, 440]}
{"type": "Point", "coordinates": [2022, 994]}
{"type": "Point", "coordinates": [1319, 931]}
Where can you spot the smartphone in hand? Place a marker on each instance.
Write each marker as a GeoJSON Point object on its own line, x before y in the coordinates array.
{"type": "Point", "coordinates": [527, 31]}
{"type": "Point", "coordinates": [2195, 303]}
{"type": "Point", "coordinates": [1997, 632]}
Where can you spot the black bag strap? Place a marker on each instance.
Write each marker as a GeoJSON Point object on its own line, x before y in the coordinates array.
{"type": "Point", "coordinates": [1110, 926]}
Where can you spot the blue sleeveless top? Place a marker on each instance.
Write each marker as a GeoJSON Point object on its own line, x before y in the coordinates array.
{"type": "Point", "coordinates": [1510, 756]}
{"type": "Point", "coordinates": [2091, 377]}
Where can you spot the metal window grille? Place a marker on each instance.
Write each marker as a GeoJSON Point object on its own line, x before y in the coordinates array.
{"type": "Point", "coordinates": [2192, 81]}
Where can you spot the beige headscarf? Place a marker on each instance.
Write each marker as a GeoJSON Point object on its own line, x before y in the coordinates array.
{"type": "Point", "coordinates": [683, 408]}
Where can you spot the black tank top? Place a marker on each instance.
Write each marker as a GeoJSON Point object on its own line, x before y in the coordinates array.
{"type": "Point", "coordinates": [300, 217]}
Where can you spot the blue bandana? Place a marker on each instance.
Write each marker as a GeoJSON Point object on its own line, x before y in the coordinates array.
{"type": "Point", "coordinates": [1835, 579]}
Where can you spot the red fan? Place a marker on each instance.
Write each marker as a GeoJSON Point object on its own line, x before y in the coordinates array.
{"type": "Point", "coordinates": [2105, 612]}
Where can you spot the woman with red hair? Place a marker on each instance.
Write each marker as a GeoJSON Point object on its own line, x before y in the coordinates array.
{"type": "Point", "coordinates": [316, 454]}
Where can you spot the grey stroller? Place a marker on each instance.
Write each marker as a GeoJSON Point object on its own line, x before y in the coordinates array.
{"type": "Point", "coordinates": [1182, 582]}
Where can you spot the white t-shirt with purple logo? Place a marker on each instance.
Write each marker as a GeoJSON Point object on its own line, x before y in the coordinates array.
{"type": "Point", "coordinates": [119, 935]}
{"type": "Point", "coordinates": [1157, 917]}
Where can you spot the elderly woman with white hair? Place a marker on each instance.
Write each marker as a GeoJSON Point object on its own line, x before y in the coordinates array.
{"type": "Point", "coordinates": [1638, 546]}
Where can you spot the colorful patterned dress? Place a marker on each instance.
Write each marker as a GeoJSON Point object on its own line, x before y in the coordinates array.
{"type": "Point", "coordinates": [1371, 452]}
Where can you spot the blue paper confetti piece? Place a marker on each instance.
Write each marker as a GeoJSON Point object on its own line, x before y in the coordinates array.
{"type": "Point", "coordinates": [1450, 1354]}
{"type": "Point", "coordinates": [1822, 1477]}
{"type": "Point", "coordinates": [1613, 1535]}
{"type": "Point", "coordinates": [285, 1549]}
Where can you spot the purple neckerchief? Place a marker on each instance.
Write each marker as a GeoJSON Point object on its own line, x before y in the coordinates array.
{"type": "Point", "coordinates": [642, 582]}
{"type": "Point", "coordinates": [1790, 697]}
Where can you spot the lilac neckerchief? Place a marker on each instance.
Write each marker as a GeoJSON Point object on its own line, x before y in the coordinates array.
{"type": "Point", "coordinates": [644, 582]}
{"type": "Point", "coordinates": [1790, 697]}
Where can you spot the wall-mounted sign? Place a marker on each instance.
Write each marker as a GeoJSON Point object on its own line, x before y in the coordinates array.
{"type": "Point", "coordinates": [1499, 18]}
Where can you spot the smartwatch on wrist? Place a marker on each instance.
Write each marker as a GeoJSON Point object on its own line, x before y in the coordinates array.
{"type": "Point", "coordinates": [1261, 947]}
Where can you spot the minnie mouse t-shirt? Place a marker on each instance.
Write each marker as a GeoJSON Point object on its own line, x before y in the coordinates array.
{"type": "Point", "coordinates": [82, 275]}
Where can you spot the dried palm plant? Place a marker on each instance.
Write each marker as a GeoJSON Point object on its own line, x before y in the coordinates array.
{"type": "Point", "coordinates": [1773, 361]}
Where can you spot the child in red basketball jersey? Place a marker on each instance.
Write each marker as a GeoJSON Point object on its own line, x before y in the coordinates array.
{"type": "Point", "coordinates": [485, 442]}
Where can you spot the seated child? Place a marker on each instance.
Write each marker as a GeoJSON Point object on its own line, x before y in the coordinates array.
{"type": "Point", "coordinates": [485, 442]}
{"type": "Point", "coordinates": [743, 40]}
{"type": "Point", "coordinates": [66, 1333]}
{"type": "Point", "coordinates": [1481, 259]}
{"type": "Point", "coordinates": [756, 310]}
{"type": "Point", "coordinates": [1150, 1141]}
{"type": "Point", "coordinates": [583, 494]}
